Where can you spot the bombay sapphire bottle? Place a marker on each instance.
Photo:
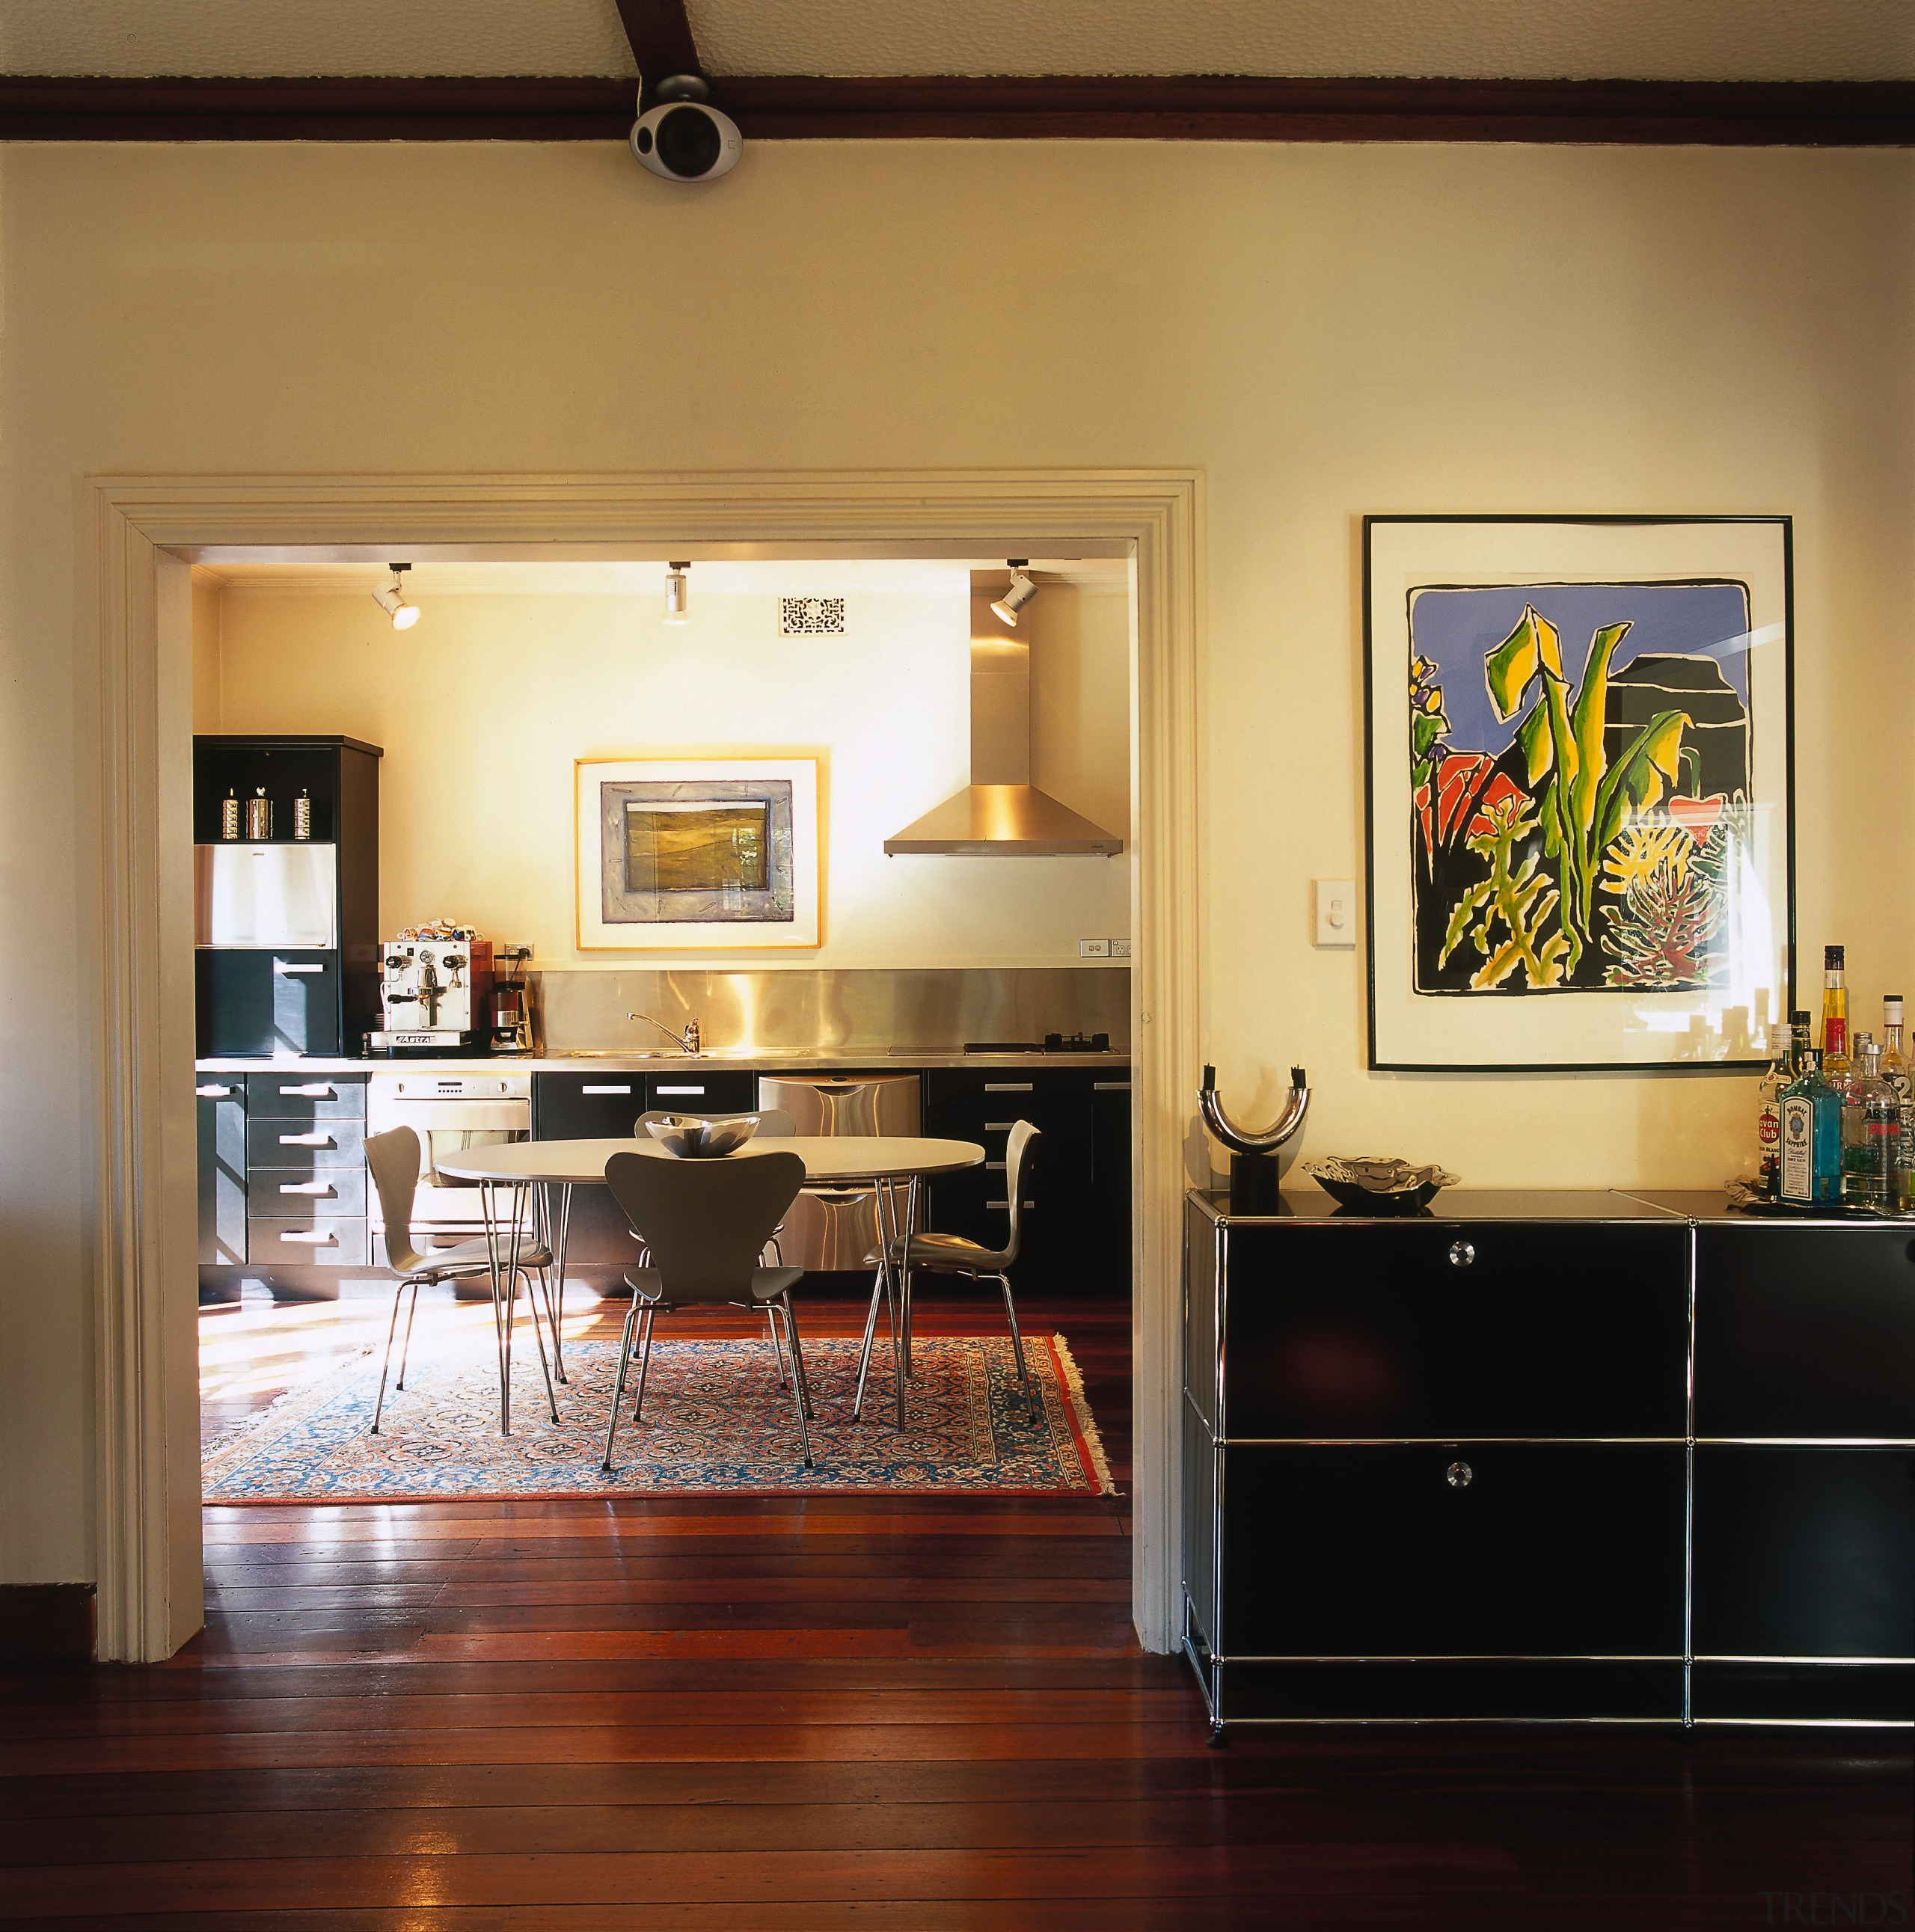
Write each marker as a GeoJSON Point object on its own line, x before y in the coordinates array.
{"type": "Point", "coordinates": [1811, 1128]}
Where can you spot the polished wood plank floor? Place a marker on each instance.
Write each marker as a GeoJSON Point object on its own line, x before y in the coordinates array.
{"type": "Point", "coordinates": [747, 1713]}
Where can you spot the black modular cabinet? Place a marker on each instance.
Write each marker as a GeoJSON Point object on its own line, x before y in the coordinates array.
{"type": "Point", "coordinates": [305, 1172]}
{"type": "Point", "coordinates": [1449, 1467]}
{"type": "Point", "coordinates": [221, 1107]}
{"type": "Point", "coordinates": [1076, 1220]}
{"type": "Point", "coordinates": [260, 1000]}
{"type": "Point", "coordinates": [605, 1106]}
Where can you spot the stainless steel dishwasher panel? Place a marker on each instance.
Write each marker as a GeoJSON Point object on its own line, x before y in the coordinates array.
{"type": "Point", "coordinates": [837, 1228]}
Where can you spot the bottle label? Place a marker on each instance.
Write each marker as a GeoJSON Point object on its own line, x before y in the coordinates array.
{"type": "Point", "coordinates": [1798, 1134]}
{"type": "Point", "coordinates": [1768, 1129]}
{"type": "Point", "coordinates": [1835, 1035]}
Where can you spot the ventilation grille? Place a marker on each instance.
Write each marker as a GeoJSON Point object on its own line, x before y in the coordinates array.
{"type": "Point", "coordinates": [811, 616]}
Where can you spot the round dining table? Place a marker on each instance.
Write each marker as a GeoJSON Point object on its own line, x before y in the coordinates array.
{"type": "Point", "coordinates": [885, 1163]}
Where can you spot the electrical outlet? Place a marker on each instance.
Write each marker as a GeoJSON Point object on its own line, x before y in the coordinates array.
{"type": "Point", "coordinates": [512, 949]}
{"type": "Point", "coordinates": [1120, 948]}
{"type": "Point", "coordinates": [1094, 949]}
{"type": "Point", "coordinates": [1336, 912]}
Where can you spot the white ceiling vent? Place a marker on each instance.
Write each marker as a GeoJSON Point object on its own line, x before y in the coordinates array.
{"type": "Point", "coordinates": [811, 616]}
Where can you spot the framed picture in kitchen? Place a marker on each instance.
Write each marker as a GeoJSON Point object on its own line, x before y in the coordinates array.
{"type": "Point", "coordinates": [706, 854]}
{"type": "Point", "coordinates": [1579, 812]}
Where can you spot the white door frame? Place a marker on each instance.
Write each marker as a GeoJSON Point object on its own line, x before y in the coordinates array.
{"type": "Point", "coordinates": [142, 532]}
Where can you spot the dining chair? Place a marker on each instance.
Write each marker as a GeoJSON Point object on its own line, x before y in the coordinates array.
{"type": "Point", "coordinates": [774, 1124]}
{"type": "Point", "coordinates": [394, 1159]}
{"type": "Point", "coordinates": [954, 1254]}
{"type": "Point", "coordinates": [704, 1224]}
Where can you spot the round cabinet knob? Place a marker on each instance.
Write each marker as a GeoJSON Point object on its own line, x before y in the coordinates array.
{"type": "Point", "coordinates": [1461, 1254]}
{"type": "Point", "coordinates": [1459, 1475]}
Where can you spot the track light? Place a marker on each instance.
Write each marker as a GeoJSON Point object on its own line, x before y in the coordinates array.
{"type": "Point", "coordinates": [677, 596]}
{"type": "Point", "coordinates": [392, 600]}
{"type": "Point", "coordinates": [1020, 593]}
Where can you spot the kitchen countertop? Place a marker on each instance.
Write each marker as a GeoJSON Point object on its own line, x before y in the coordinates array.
{"type": "Point", "coordinates": [901, 1059]}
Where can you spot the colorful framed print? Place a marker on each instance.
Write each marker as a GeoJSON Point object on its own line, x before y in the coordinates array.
{"type": "Point", "coordinates": [1580, 772]}
{"type": "Point", "coordinates": [700, 855]}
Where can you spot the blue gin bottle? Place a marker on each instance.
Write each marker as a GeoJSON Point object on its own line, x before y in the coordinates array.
{"type": "Point", "coordinates": [1811, 1168]}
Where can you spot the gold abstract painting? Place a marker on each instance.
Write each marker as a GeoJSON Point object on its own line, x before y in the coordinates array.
{"type": "Point", "coordinates": [697, 848]}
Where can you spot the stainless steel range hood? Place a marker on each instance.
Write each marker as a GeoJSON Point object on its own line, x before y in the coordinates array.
{"type": "Point", "coordinates": [1000, 813]}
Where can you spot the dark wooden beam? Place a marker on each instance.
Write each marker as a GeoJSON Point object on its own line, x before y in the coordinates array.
{"type": "Point", "coordinates": [1721, 113]}
{"type": "Point", "coordinates": [660, 40]}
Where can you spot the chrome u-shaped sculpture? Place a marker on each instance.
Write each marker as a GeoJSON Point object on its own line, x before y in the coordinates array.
{"type": "Point", "coordinates": [1239, 1140]}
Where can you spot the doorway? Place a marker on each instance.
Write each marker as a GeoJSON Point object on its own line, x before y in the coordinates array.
{"type": "Point", "coordinates": [150, 534]}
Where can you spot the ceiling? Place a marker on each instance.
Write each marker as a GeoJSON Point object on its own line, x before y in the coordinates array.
{"type": "Point", "coordinates": [1650, 40]}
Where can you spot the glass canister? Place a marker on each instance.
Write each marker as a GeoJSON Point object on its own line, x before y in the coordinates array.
{"type": "Point", "coordinates": [259, 816]}
{"type": "Point", "coordinates": [302, 815]}
{"type": "Point", "coordinates": [229, 814]}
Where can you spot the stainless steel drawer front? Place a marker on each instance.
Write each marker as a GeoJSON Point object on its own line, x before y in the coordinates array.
{"type": "Point", "coordinates": [315, 1242]}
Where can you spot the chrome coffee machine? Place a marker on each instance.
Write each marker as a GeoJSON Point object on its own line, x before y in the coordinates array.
{"type": "Point", "coordinates": [435, 993]}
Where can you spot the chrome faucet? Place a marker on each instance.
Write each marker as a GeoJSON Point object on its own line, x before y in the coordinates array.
{"type": "Point", "coordinates": [687, 1041]}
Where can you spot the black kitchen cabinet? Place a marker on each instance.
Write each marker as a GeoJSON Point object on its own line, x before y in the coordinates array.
{"type": "Point", "coordinates": [222, 1144]}
{"type": "Point", "coordinates": [1067, 1247]}
{"type": "Point", "coordinates": [253, 1003]}
{"type": "Point", "coordinates": [1448, 1466]}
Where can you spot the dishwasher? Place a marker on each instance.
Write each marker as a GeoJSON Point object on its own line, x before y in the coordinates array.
{"type": "Point", "coordinates": [836, 1228]}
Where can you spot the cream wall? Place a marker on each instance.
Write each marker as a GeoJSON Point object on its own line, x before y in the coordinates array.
{"type": "Point", "coordinates": [1323, 331]}
{"type": "Point", "coordinates": [482, 706]}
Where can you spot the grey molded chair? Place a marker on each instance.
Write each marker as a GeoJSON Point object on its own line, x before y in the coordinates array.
{"type": "Point", "coordinates": [704, 1224]}
{"type": "Point", "coordinates": [394, 1159]}
{"type": "Point", "coordinates": [954, 1254]}
{"type": "Point", "coordinates": [774, 1124]}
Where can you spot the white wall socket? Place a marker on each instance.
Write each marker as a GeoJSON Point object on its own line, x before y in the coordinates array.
{"type": "Point", "coordinates": [1336, 912]}
{"type": "Point", "coordinates": [1094, 949]}
{"type": "Point", "coordinates": [1120, 948]}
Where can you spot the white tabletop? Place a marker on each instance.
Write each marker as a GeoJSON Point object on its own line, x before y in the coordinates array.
{"type": "Point", "coordinates": [827, 1157]}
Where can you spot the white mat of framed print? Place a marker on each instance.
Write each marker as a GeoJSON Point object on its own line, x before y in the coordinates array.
{"type": "Point", "coordinates": [697, 854]}
{"type": "Point", "coordinates": [1580, 771]}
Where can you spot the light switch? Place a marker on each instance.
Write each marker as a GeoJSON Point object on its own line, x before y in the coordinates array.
{"type": "Point", "coordinates": [1336, 912]}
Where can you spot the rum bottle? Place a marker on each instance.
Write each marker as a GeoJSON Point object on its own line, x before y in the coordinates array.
{"type": "Point", "coordinates": [1811, 1128]}
{"type": "Point", "coordinates": [1769, 1112]}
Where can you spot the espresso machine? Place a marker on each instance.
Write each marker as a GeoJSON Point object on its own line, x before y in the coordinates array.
{"type": "Point", "coordinates": [435, 995]}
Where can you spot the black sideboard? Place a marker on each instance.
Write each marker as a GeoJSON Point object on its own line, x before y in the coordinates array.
{"type": "Point", "coordinates": [1549, 1456]}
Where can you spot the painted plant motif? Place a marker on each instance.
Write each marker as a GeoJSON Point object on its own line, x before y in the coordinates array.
{"type": "Point", "coordinates": [1585, 835]}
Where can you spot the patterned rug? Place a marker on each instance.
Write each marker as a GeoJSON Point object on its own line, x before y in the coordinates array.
{"type": "Point", "coordinates": [716, 1420]}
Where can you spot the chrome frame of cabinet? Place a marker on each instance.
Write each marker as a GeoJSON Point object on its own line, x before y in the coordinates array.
{"type": "Point", "coordinates": [1207, 1664]}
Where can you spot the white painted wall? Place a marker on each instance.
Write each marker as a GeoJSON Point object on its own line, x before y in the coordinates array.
{"type": "Point", "coordinates": [1324, 331]}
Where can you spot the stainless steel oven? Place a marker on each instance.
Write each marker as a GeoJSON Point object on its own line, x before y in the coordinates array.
{"type": "Point", "coordinates": [837, 1228]}
{"type": "Point", "coordinates": [451, 1113]}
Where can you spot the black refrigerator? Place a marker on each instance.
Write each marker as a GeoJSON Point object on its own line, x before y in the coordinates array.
{"type": "Point", "coordinates": [286, 921]}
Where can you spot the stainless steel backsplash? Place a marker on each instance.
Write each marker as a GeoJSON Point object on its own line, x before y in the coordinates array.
{"type": "Point", "coordinates": [860, 1014]}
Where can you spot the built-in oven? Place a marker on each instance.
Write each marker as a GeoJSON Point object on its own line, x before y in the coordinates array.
{"type": "Point", "coordinates": [451, 1114]}
{"type": "Point", "coordinates": [836, 1228]}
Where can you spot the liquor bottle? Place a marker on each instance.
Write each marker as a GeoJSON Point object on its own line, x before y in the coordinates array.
{"type": "Point", "coordinates": [1811, 1128]}
{"type": "Point", "coordinates": [1871, 1127]}
{"type": "Point", "coordinates": [1835, 1013]}
{"type": "Point", "coordinates": [1895, 1071]}
{"type": "Point", "coordinates": [1769, 1112]}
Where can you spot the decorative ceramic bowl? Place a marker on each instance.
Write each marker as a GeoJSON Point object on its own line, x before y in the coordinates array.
{"type": "Point", "coordinates": [1377, 1185]}
{"type": "Point", "coordinates": [693, 1139]}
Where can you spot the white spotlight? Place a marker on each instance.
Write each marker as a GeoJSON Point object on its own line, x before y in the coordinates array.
{"type": "Point", "coordinates": [1020, 593]}
{"type": "Point", "coordinates": [392, 600]}
{"type": "Point", "coordinates": [678, 595]}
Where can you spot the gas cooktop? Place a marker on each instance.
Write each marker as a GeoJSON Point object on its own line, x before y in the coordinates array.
{"type": "Point", "coordinates": [1051, 1042]}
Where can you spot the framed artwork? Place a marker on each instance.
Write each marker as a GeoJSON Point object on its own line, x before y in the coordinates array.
{"type": "Point", "coordinates": [1580, 771]}
{"type": "Point", "coordinates": [697, 854]}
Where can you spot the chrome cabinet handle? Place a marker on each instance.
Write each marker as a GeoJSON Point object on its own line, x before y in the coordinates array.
{"type": "Point", "coordinates": [995, 1166]}
{"type": "Point", "coordinates": [1459, 1475]}
{"type": "Point", "coordinates": [999, 1126]}
{"type": "Point", "coordinates": [318, 1239]}
{"type": "Point", "coordinates": [1008, 1087]}
{"type": "Point", "coordinates": [1110, 1086]}
{"type": "Point", "coordinates": [605, 1090]}
{"type": "Point", "coordinates": [283, 966]}
{"type": "Point", "coordinates": [307, 1187]}
{"type": "Point", "coordinates": [1461, 1254]}
{"type": "Point", "coordinates": [317, 1090]}
{"type": "Point", "coordinates": [1029, 1206]}
{"type": "Point", "coordinates": [688, 1090]}
{"type": "Point", "coordinates": [214, 1092]}
{"type": "Point", "coordinates": [306, 1140]}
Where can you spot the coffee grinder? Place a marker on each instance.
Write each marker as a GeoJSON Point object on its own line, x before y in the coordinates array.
{"type": "Point", "coordinates": [511, 1004]}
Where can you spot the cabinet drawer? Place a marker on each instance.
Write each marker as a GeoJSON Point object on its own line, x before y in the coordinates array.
{"type": "Point", "coordinates": [305, 1144]}
{"type": "Point", "coordinates": [275, 1192]}
{"type": "Point", "coordinates": [587, 1106]}
{"type": "Point", "coordinates": [1805, 1332]}
{"type": "Point", "coordinates": [1547, 1549]}
{"type": "Point", "coordinates": [1063, 1157]}
{"type": "Point", "coordinates": [1015, 1087]}
{"type": "Point", "coordinates": [697, 1092]}
{"type": "Point", "coordinates": [1373, 1330]}
{"type": "Point", "coordinates": [1804, 1553]}
{"type": "Point", "coordinates": [291, 1097]}
{"type": "Point", "coordinates": [322, 1241]}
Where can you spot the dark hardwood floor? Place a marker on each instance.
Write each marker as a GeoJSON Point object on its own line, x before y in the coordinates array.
{"type": "Point", "coordinates": [744, 1713]}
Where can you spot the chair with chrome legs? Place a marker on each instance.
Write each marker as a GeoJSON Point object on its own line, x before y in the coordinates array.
{"type": "Point", "coordinates": [774, 1124]}
{"type": "Point", "coordinates": [704, 1224]}
{"type": "Point", "coordinates": [394, 1158]}
{"type": "Point", "coordinates": [952, 1254]}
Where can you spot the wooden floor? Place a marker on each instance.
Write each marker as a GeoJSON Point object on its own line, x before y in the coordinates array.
{"type": "Point", "coordinates": [745, 1713]}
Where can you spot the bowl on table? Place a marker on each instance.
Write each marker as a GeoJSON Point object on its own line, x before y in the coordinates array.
{"type": "Point", "coordinates": [694, 1139]}
{"type": "Point", "coordinates": [1378, 1184]}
